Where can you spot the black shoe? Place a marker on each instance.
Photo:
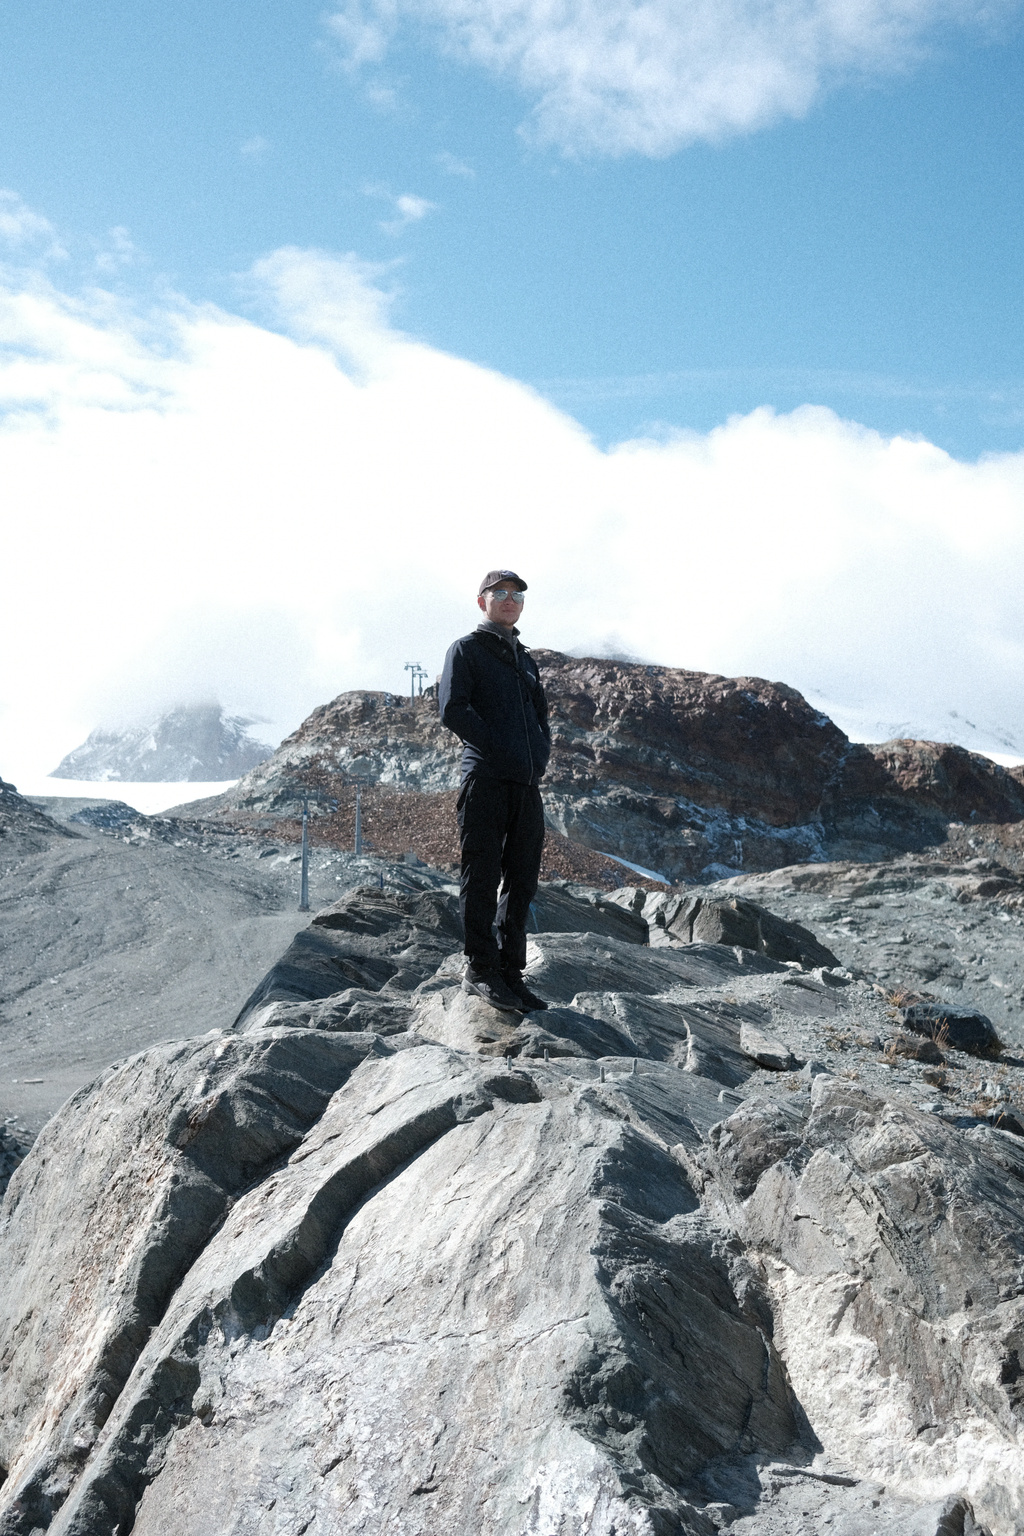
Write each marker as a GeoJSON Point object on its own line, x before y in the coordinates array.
{"type": "Point", "coordinates": [529, 1002]}
{"type": "Point", "coordinates": [492, 988]}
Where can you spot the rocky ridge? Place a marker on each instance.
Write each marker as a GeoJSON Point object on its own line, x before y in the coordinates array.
{"type": "Point", "coordinates": [713, 1243]}
{"type": "Point", "coordinates": [116, 937]}
{"type": "Point", "coordinates": [688, 774]}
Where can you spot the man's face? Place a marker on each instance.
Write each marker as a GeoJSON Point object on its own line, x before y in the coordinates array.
{"type": "Point", "coordinates": [502, 610]}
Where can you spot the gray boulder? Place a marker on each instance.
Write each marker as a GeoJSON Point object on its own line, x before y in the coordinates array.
{"type": "Point", "coordinates": [392, 943]}
{"type": "Point", "coordinates": [560, 965]}
{"type": "Point", "coordinates": [692, 919]}
{"type": "Point", "coordinates": [958, 1029]}
{"type": "Point", "coordinates": [371, 940]}
{"type": "Point", "coordinates": [765, 1049]}
{"type": "Point", "coordinates": [895, 1255]}
{"type": "Point", "coordinates": [353, 1009]}
{"type": "Point", "coordinates": [417, 1431]}
{"type": "Point", "coordinates": [700, 1037]}
{"type": "Point", "coordinates": [563, 907]}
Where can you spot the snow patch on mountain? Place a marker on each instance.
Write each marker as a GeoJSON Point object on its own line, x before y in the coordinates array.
{"type": "Point", "coordinates": [189, 743]}
{"type": "Point", "coordinates": [865, 723]}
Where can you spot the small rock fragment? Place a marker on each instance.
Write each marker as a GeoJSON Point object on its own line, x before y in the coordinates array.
{"type": "Point", "coordinates": [811, 1069]}
{"type": "Point", "coordinates": [764, 1050]}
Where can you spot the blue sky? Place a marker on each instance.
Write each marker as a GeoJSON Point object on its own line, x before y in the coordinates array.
{"type": "Point", "coordinates": [866, 256]}
{"type": "Point", "coordinates": [614, 287]}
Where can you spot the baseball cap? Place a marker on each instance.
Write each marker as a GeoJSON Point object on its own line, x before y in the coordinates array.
{"type": "Point", "coordinates": [498, 578]}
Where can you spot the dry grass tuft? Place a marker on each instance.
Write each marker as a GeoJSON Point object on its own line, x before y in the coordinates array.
{"type": "Point", "coordinates": [903, 1047]}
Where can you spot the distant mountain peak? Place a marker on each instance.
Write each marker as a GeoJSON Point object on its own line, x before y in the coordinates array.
{"type": "Point", "coordinates": [197, 743]}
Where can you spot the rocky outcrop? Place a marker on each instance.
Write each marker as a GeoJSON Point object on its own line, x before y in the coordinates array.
{"type": "Point", "coordinates": [561, 906]}
{"type": "Point", "coordinates": [959, 785]}
{"type": "Point", "coordinates": [370, 944]}
{"type": "Point", "coordinates": [697, 1253]}
{"type": "Point", "coordinates": [690, 771]}
{"type": "Point", "coordinates": [360, 737]}
{"type": "Point", "coordinates": [194, 742]}
{"type": "Point", "coordinates": [24, 828]}
{"type": "Point", "coordinates": [689, 919]}
{"type": "Point", "coordinates": [686, 774]}
{"type": "Point", "coordinates": [160, 1149]}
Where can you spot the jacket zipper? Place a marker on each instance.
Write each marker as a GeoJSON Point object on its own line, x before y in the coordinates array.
{"type": "Point", "coordinates": [526, 728]}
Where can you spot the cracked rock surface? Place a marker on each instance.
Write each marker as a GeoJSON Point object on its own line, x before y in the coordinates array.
{"type": "Point", "coordinates": [695, 1249]}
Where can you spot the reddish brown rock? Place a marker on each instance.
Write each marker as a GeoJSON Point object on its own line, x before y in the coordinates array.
{"type": "Point", "coordinates": [960, 785]}
{"type": "Point", "coordinates": [751, 747]}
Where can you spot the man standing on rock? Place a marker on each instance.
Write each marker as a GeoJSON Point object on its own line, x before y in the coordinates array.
{"type": "Point", "coordinates": [491, 696]}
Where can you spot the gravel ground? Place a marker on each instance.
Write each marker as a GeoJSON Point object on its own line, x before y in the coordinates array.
{"type": "Point", "coordinates": [141, 930]}
{"type": "Point", "coordinates": [396, 821]}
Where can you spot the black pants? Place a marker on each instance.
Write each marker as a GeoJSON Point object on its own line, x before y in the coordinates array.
{"type": "Point", "coordinates": [501, 831]}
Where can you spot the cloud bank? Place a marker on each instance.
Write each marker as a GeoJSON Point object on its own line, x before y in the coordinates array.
{"type": "Point", "coordinates": [648, 76]}
{"type": "Point", "coordinates": [197, 505]}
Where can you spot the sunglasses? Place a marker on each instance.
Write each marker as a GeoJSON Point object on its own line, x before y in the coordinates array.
{"type": "Point", "coordinates": [502, 592]}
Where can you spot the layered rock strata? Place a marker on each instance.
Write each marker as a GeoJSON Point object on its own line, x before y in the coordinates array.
{"type": "Point", "coordinates": [689, 1251]}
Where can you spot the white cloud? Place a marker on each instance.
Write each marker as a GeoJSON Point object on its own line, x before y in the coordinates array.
{"type": "Point", "coordinates": [120, 251]}
{"type": "Point", "coordinates": [22, 228]}
{"type": "Point", "coordinates": [254, 148]}
{"type": "Point", "coordinates": [647, 76]}
{"type": "Point", "coordinates": [454, 166]}
{"type": "Point", "coordinates": [364, 32]}
{"type": "Point", "coordinates": [408, 208]}
{"type": "Point", "coordinates": [196, 505]}
{"type": "Point", "coordinates": [337, 299]}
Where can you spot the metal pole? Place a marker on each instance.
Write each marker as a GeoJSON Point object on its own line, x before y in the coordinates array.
{"type": "Point", "coordinates": [359, 820]}
{"type": "Point", "coordinates": [415, 671]}
{"type": "Point", "coordinates": [304, 885]}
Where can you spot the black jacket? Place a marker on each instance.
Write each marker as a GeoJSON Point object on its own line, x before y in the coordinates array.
{"type": "Point", "coordinates": [492, 697]}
